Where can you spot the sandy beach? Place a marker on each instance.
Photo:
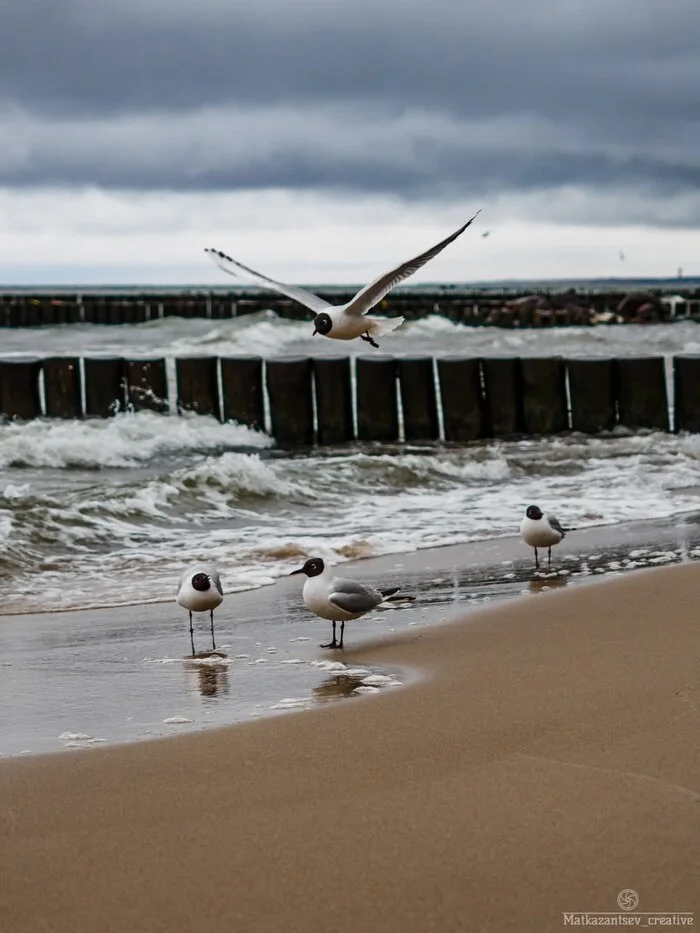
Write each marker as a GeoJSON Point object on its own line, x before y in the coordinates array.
{"type": "Point", "coordinates": [546, 760]}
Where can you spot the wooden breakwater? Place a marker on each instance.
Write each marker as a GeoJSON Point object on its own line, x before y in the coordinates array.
{"type": "Point", "coordinates": [304, 401]}
{"type": "Point", "coordinates": [504, 308]}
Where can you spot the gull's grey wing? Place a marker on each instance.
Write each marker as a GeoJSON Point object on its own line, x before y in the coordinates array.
{"type": "Point", "coordinates": [304, 297]}
{"type": "Point", "coordinates": [216, 579]}
{"type": "Point", "coordinates": [352, 596]}
{"type": "Point", "coordinates": [368, 297]}
{"type": "Point", "coordinates": [556, 525]}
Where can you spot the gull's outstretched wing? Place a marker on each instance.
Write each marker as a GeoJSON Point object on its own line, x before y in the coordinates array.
{"type": "Point", "coordinates": [304, 297]}
{"type": "Point", "coordinates": [369, 296]}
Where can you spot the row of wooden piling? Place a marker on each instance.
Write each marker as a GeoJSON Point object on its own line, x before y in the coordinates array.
{"type": "Point", "coordinates": [471, 307]}
{"type": "Point", "coordinates": [304, 401]}
{"type": "Point", "coordinates": [36, 311]}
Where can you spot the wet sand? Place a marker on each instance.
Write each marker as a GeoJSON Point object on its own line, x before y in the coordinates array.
{"type": "Point", "coordinates": [101, 676]}
{"type": "Point", "coordinates": [547, 760]}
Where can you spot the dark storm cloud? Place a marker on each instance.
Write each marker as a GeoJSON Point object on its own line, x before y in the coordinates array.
{"type": "Point", "coordinates": [442, 96]}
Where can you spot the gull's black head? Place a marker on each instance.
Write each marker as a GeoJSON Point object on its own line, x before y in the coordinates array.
{"type": "Point", "coordinates": [533, 512]}
{"type": "Point", "coordinates": [322, 324]}
{"type": "Point", "coordinates": [201, 582]}
{"type": "Point", "coordinates": [312, 568]}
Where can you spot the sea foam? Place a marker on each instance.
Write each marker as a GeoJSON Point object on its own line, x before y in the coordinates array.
{"type": "Point", "coordinates": [126, 440]}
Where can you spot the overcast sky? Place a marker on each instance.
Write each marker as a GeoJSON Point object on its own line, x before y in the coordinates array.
{"type": "Point", "coordinates": [321, 141]}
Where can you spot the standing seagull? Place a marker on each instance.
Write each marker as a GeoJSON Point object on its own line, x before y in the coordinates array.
{"type": "Point", "coordinates": [200, 591]}
{"type": "Point", "coordinates": [539, 530]}
{"type": "Point", "coordinates": [338, 599]}
{"type": "Point", "coordinates": [343, 322]}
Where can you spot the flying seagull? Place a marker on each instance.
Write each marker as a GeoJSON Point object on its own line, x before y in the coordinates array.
{"type": "Point", "coordinates": [343, 322]}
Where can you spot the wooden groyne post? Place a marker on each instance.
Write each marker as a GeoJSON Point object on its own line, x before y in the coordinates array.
{"type": "Point", "coordinates": [371, 398]}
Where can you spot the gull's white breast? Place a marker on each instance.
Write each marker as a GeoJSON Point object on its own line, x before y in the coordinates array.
{"type": "Point", "coordinates": [539, 533]}
{"type": "Point", "coordinates": [347, 326]}
{"type": "Point", "coordinates": [196, 600]}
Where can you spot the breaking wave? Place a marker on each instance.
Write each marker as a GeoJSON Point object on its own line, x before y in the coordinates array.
{"type": "Point", "coordinates": [126, 440]}
{"type": "Point", "coordinates": [108, 531]}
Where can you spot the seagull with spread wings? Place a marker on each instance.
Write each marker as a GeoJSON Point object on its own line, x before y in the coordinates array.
{"type": "Point", "coordinates": [343, 322]}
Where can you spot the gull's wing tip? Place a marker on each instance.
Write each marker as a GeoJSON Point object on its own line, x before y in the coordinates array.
{"type": "Point", "coordinates": [217, 253]}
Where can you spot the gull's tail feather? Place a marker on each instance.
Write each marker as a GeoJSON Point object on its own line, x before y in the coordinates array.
{"type": "Point", "coordinates": [378, 327]}
{"type": "Point", "coordinates": [394, 596]}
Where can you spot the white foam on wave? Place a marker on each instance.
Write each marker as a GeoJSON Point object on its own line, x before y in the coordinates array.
{"type": "Point", "coordinates": [332, 667]}
{"type": "Point", "coordinates": [379, 680]}
{"type": "Point", "coordinates": [126, 440]}
{"type": "Point", "coordinates": [12, 492]}
{"type": "Point", "coordinates": [211, 661]}
{"type": "Point", "coordinates": [238, 474]}
{"type": "Point", "coordinates": [265, 332]}
{"type": "Point", "coordinates": [209, 490]}
{"type": "Point", "coordinates": [262, 334]}
{"type": "Point", "coordinates": [292, 703]}
{"type": "Point", "coordinates": [260, 518]}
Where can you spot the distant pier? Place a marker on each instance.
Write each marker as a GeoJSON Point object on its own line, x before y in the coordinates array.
{"type": "Point", "coordinates": [479, 307]}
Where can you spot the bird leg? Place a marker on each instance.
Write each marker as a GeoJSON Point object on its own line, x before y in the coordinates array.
{"type": "Point", "coordinates": [537, 563]}
{"type": "Point", "coordinates": [342, 632]}
{"type": "Point", "coordinates": [366, 337]}
{"type": "Point", "coordinates": [191, 633]}
{"type": "Point", "coordinates": [213, 643]}
{"type": "Point", "coordinates": [334, 643]}
{"type": "Point", "coordinates": [549, 557]}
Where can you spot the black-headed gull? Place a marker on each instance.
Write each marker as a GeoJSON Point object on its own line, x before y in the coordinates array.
{"type": "Point", "coordinates": [200, 590]}
{"type": "Point", "coordinates": [343, 322]}
{"type": "Point", "coordinates": [540, 531]}
{"type": "Point", "coordinates": [338, 599]}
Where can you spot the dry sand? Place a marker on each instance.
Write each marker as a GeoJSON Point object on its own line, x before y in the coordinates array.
{"type": "Point", "coordinates": [548, 760]}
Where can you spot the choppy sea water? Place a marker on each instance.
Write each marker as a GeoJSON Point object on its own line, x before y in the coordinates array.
{"type": "Point", "coordinates": [107, 512]}
{"type": "Point", "coordinates": [266, 334]}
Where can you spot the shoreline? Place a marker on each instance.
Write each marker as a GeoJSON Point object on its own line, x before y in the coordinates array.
{"type": "Point", "coordinates": [106, 677]}
{"type": "Point", "coordinates": [549, 761]}
{"type": "Point", "coordinates": [651, 531]}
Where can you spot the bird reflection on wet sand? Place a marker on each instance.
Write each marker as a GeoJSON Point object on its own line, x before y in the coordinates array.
{"type": "Point", "coordinates": [211, 678]}
{"type": "Point", "coordinates": [337, 687]}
